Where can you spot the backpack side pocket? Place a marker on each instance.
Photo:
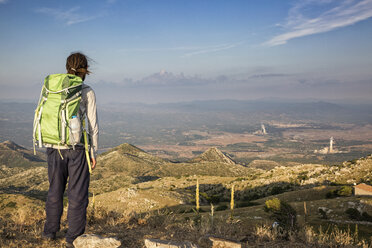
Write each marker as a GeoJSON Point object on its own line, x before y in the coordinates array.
{"type": "Point", "coordinates": [75, 130]}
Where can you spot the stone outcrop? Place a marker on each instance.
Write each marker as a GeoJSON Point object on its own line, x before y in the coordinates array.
{"type": "Point", "coordinates": [157, 243]}
{"type": "Point", "coordinates": [95, 241]}
{"type": "Point", "coordinates": [223, 243]}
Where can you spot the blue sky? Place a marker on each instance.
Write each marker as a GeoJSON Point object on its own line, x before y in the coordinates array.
{"type": "Point", "coordinates": [173, 50]}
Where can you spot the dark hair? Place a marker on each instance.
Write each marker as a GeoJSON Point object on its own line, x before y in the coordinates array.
{"type": "Point", "coordinates": [77, 64]}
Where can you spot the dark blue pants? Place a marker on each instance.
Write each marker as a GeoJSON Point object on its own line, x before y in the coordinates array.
{"type": "Point", "coordinates": [73, 167]}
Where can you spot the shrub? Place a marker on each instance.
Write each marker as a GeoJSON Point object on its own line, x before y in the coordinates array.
{"type": "Point", "coordinates": [272, 205]}
{"type": "Point", "coordinates": [283, 213]}
{"type": "Point", "coordinates": [345, 191]}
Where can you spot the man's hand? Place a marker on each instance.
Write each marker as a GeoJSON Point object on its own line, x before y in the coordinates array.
{"type": "Point", "coordinates": [93, 163]}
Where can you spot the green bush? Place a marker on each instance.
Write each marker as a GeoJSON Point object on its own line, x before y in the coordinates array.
{"type": "Point", "coordinates": [340, 192]}
{"type": "Point", "coordinates": [283, 213]}
{"type": "Point", "coordinates": [345, 191]}
{"type": "Point", "coordinates": [272, 205]}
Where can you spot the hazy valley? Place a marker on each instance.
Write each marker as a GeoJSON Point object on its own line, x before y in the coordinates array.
{"type": "Point", "coordinates": [180, 131]}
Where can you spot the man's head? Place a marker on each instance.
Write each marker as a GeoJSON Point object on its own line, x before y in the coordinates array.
{"type": "Point", "coordinates": [77, 64]}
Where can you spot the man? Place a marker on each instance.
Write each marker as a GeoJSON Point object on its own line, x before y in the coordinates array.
{"type": "Point", "coordinates": [66, 162]}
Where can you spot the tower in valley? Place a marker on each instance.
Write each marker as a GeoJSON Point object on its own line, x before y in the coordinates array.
{"type": "Point", "coordinates": [263, 129]}
{"type": "Point", "coordinates": [331, 142]}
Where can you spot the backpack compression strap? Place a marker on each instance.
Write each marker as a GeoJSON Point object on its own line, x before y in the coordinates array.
{"type": "Point", "coordinates": [86, 147]}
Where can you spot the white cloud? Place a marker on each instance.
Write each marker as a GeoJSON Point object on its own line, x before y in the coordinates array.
{"type": "Point", "coordinates": [342, 13]}
{"type": "Point", "coordinates": [3, 1]}
{"type": "Point", "coordinates": [189, 50]}
{"type": "Point", "coordinates": [69, 17]}
{"type": "Point", "coordinates": [211, 49]}
{"type": "Point", "coordinates": [159, 49]}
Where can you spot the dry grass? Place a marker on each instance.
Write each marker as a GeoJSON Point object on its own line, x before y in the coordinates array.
{"type": "Point", "coordinates": [332, 237]}
{"type": "Point", "coordinates": [132, 228]}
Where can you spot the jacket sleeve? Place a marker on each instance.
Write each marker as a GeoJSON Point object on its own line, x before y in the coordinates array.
{"type": "Point", "coordinates": [91, 112]}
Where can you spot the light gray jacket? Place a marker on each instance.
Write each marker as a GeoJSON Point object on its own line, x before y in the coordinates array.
{"type": "Point", "coordinates": [88, 108]}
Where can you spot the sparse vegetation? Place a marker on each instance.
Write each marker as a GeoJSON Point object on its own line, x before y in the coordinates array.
{"type": "Point", "coordinates": [343, 191]}
{"type": "Point", "coordinates": [165, 204]}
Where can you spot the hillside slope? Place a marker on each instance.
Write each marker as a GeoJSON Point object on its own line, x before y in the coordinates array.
{"type": "Point", "coordinates": [132, 161]}
{"type": "Point", "coordinates": [13, 155]}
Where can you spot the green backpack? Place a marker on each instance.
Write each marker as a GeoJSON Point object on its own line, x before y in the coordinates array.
{"type": "Point", "coordinates": [56, 120]}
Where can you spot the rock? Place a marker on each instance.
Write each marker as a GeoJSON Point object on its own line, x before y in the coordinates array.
{"type": "Point", "coordinates": [223, 243]}
{"type": "Point", "coordinates": [157, 243]}
{"type": "Point", "coordinates": [326, 210]}
{"type": "Point", "coordinates": [95, 241]}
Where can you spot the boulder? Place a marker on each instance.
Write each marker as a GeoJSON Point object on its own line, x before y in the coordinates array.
{"type": "Point", "coordinates": [223, 243]}
{"type": "Point", "coordinates": [95, 241]}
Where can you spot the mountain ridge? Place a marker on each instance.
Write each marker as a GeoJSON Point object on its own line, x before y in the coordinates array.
{"type": "Point", "coordinates": [14, 155]}
{"type": "Point", "coordinates": [214, 155]}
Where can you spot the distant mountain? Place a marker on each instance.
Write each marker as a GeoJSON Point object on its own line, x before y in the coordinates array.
{"type": "Point", "coordinates": [12, 146]}
{"type": "Point", "coordinates": [128, 159]}
{"type": "Point", "coordinates": [135, 152]}
{"type": "Point", "coordinates": [13, 155]}
{"type": "Point", "coordinates": [213, 155]}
